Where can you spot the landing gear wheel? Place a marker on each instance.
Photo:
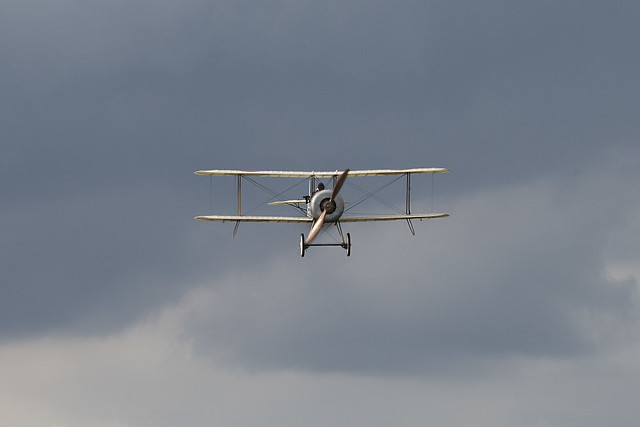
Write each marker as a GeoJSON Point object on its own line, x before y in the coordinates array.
{"type": "Point", "coordinates": [302, 245]}
{"type": "Point", "coordinates": [348, 244]}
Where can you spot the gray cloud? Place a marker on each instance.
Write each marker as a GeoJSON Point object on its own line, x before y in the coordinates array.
{"type": "Point", "coordinates": [87, 263]}
{"type": "Point", "coordinates": [514, 272]}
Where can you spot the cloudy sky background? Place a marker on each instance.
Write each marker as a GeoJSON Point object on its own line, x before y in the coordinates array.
{"type": "Point", "coordinates": [117, 309]}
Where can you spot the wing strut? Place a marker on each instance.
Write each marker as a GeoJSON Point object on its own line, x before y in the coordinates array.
{"type": "Point", "coordinates": [408, 204]}
{"type": "Point", "coordinates": [239, 199]}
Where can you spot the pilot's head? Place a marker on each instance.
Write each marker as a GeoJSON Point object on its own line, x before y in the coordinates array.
{"type": "Point", "coordinates": [320, 187]}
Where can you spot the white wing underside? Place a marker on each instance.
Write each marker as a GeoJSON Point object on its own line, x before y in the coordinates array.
{"type": "Point", "coordinates": [295, 219]}
{"type": "Point", "coordinates": [373, 218]}
{"type": "Point", "coordinates": [249, 218]}
{"type": "Point", "coordinates": [321, 174]}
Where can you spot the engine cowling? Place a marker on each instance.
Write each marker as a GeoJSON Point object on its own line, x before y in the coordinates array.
{"type": "Point", "coordinates": [320, 199]}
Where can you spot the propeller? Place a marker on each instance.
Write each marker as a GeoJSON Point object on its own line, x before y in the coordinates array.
{"type": "Point", "coordinates": [315, 229]}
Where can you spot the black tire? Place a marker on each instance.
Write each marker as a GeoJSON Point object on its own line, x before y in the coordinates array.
{"type": "Point", "coordinates": [348, 244]}
{"type": "Point", "coordinates": [302, 245]}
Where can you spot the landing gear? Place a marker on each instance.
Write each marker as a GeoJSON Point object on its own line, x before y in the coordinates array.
{"type": "Point", "coordinates": [346, 243]}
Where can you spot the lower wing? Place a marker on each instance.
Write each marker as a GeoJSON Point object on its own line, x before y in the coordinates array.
{"type": "Point", "coordinates": [391, 217]}
{"type": "Point", "coordinates": [248, 218]}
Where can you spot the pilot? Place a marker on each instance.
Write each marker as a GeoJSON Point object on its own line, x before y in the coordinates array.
{"type": "Point", "coordinates": [320, 188]}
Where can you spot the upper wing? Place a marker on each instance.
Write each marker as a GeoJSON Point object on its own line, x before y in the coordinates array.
{"type": "Point", "coordinates": [248, 218]}
{"type": "Point", "coordinates": [391, 217]}
{"type": "Point", "coordinates": [303, 219]}
{"type": "Point", "coordinates": [322, 174]}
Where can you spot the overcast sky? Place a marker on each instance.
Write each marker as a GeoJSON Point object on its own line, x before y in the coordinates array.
{"type": "Point", "coordinates": [118, 309]}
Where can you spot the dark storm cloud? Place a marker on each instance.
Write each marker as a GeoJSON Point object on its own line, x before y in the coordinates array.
{"type": "Point", "coordinates": [86, 264]}
{"type": "Point", "coordinates": [107, 108]}
{"type": "Point", "coordinates": [246, 82]}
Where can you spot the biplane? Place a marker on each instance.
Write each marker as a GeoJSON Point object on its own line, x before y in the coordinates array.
{"type": "Point", "coordinates": [322, 206]}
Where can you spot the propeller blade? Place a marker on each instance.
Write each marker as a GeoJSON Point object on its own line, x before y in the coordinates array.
{"type": "Point", "coordinates": [317, 226]}
{"type": "Point", "coordinates": [315, 229]}
{"type": "Point", "coordinates": [339, 183]}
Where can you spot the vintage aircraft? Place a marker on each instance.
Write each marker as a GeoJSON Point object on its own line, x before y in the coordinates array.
{"type": "Point", "coordinates": [323, 206]}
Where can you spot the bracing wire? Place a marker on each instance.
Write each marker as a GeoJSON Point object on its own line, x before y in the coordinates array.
{"type": "Point", "coordinates": [372, 194]}
{"type": "Point", "coordinates": [274, 193]}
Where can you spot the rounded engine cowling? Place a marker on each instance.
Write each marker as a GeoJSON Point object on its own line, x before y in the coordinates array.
{"type": "Point", "coordinates": [320, 199]}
